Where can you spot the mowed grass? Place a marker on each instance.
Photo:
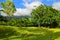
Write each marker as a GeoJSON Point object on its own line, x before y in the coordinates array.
{"type": "Point", "coordinates": [29, 33]}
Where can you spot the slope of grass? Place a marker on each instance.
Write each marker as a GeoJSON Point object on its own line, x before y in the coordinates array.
{"type": "Point", "coordinates": [29, 33]}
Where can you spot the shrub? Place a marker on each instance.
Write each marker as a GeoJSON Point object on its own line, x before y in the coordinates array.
{"type": "Point", "coordinates": [12, 22]}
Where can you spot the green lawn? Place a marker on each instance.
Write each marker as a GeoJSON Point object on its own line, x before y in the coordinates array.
{"type": "Point", "coordinates": [29, 33]}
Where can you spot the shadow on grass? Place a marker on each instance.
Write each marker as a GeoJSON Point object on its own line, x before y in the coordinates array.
{"type": "Point", "coordinates": [48, 35]}
{"type": "Point", "coordinates": [7, 31]}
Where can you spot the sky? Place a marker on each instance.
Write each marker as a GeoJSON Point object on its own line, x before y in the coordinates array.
{"type": "Point", "coordinates": [24, 7]}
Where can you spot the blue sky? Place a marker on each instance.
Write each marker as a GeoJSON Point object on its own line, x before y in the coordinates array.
{"type": "Point", "coordinates": [49, 2]}
{"type": "Point", "coordinates": [24, 7]}
{"type": "Point", "coordinates": [19, 3]}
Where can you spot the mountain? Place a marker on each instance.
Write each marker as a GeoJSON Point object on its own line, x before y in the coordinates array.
{"type": "Point", "coordinates": [17, 17]}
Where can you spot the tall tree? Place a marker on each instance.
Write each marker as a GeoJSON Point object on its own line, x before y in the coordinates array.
{"type": "Point", "coordinates": [45, 16]}
{"type": "Point", "coordinates": [8, 8]}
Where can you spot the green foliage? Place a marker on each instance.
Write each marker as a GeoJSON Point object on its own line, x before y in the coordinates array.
{"type": "Point", "coordinates": [3, 23]}
{"type": "Point", "coordinates": [41, 16]}
{"type": "Point", "coordinates": [21, 22]}
{"type": "Point", "coordinates": [8, 5]}
{"type": "Point", "coordinates": [8, 8]}
{"type": "Point", "coordinates": [12, 22]}
{"type": "Point", "coordinates": [45, 16]}
{"type": "Point", "coordinates": [1, 18]}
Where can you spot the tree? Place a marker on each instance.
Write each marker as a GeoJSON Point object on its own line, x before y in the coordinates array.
{"type": "Point", "coordinates": [45, 16]}
{"type": "Point", "coordinates": [8, 8]}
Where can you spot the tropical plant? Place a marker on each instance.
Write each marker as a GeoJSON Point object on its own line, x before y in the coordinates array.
{"type": "Point", "coordinates": [8, 8]}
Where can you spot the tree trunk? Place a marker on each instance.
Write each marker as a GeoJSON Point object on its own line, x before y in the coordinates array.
{"type": "Point", "coordinates": [8, 17]}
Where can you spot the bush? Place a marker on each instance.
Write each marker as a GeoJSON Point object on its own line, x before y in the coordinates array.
{"type": "Point", "coordinates": [2, 23]}
{"type": "Point", "coordinates": [19, 22]}
{"type": "Point", "coordinates": [12, 22]}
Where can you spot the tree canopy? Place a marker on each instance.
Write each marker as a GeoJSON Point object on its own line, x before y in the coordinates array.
{"type": "Point", "coordinates": [8, 7]}
{"type": "Point", "coordinates": [46, 16]}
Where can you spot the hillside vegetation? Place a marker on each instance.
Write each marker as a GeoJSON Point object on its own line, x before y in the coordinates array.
{"type": "Point", "coordinates": [43, 15]}
{"type": "Point", "coordinates": [29, 33]}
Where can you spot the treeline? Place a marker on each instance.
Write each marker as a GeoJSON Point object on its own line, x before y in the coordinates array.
{"type": "Point", "coordinates": [43, 15]}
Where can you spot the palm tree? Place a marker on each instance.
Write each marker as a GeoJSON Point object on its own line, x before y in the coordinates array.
{"type": "Point", "coordinates": [8, 8]}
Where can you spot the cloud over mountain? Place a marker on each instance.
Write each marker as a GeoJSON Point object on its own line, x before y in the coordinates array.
{"type": "Point", "coordinates": [28, 9]}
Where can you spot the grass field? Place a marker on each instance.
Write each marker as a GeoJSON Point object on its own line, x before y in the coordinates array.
{"type": "Point", "coordinates": [29, 33]}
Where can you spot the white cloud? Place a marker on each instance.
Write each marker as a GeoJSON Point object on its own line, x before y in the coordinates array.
{"type": "Point", "coordinates": [32, 5]}
{"type": "Point", "coordinates": [28, 9]}
{"type": "Point", "coordinates": [3, 14]}
{"type": "Point", "coordinates": [22, 12]}
{"type": "Point", "coordinates": [26, 1]}
{"type": "Point", "coordinates": [56, 5]}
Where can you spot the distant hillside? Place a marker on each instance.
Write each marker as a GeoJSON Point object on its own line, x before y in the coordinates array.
{"type": "Point", "coordinates": [17, 17]}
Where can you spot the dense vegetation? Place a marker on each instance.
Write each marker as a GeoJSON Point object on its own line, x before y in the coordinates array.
{"type": "Point", "coordinates": [46, 16]}
{"type": "Point", "coordinates": [41, 16]}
